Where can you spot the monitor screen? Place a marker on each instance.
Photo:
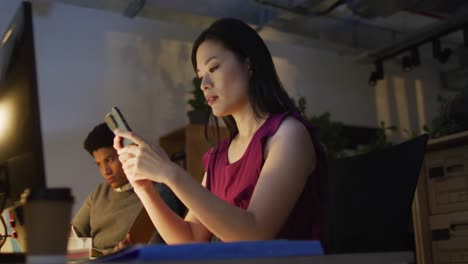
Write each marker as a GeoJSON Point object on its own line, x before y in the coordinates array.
{"type": "Point", "coordinates": [21, 159]}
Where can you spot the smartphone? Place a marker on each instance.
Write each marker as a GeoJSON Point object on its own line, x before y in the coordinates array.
{"type": "Point", "coordinates": [115, 120]}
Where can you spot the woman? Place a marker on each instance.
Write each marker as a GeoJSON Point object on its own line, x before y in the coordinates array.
{"type": "Point", "coordinates": [265, 181]}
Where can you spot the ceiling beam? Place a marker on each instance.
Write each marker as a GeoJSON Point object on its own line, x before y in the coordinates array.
{"type": "Point", "coordinates": [421, 37]}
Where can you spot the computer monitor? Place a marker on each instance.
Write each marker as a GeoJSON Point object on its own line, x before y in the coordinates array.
{"type": "Point", "coordinates": [21, 159]}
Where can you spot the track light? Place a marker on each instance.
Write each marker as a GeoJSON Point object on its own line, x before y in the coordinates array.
{"type": "Point", "coordinates": [415, 59]}
{"type": "Point", "coordinates": [410, 61]}
{"type": "Point", "coordinates": [373, 79]}
{"type": "Point", "coordinates": [406, 63]}
{"type": "Point", "coordinates": [444, 57]}
{"type": "Point", "coordinates": [376, 75]}
{"type": "Point", "coordinates": [379, 70]}
{"type": "Point", "coordinates": [407, 49]}
{"type": "Point", "coordinates": [441, 55]}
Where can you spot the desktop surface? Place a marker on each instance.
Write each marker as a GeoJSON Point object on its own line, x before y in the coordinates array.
{"type": "Point", "coordinates": [361, 258]}
{"type": "Point", "coordinates": [358, 258]}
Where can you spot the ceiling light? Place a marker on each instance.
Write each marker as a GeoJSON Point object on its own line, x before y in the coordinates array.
{"type": "Point", "coordinates": [439, 54]}
{"type": "Point", "coordinates": [376, 75]}
{"type": "Point", "coordinates": [415, 59]}
{"type": "Point", "coordinates": [373, 79]}
{"type": "Point", "coordinates": [406, 63]}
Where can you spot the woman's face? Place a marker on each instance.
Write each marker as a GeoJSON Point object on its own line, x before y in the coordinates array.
{"type": "Point", "coordinates": [224, 79]}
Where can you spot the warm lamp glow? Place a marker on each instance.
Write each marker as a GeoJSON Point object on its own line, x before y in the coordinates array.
{"type": "Point", "coordinates": [5, 119]}
{"type": "Point", "coordinates": [402, 106]}
{"type": "Point", "coordinates": [382, 102]}
{"type": "Point", "coordinates": [418, 85]}
{"type": "Point", "coordinates": [7, 36]}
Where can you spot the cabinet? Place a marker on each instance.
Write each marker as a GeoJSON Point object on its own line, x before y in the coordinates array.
{"type": "Point", "coordinates": [187, 145]}
{"type": "Point", "coordinates": [440, 207]}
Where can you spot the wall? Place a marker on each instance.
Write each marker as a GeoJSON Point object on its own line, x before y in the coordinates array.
{"type": "Point", "coordinates": [338, 84]}
{"type": "Point", "coordinates": [90, 60]}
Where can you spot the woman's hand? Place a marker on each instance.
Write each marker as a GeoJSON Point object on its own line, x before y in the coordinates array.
{"type": "Point", "coordinates": [142, 163]}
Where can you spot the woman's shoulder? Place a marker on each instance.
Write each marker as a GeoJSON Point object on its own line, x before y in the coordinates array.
{"type": "Point", "coordinates": [289, 124]}
{"type": "Point", "coordinates": [290, 131]}
{"type": "Point", "coordinates": [292, 127]}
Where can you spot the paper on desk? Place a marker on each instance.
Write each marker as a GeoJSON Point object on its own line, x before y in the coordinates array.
{"type": "Point", "coordinates": [72, 233]}
{"type": "Point", "coordinates": [78, 248]}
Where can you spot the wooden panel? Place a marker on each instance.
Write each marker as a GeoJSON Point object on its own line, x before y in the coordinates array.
{"type": "Point", "coordinates": [174, 142]}
{"type": "Point", "coordinates": [451, 251]}
{"type": "Point", "coordinates": [191, 140]}
{"type": "Point", "coordinates": [446, 142]}
{"type": "Point", "coordinates": [443, 177]}
{"type": "Point", "coordinates": [196, 146]}
{"type": "Point", "coordinates": [422, 231]}
{"type": "Point", "coordinates": [447, 180]}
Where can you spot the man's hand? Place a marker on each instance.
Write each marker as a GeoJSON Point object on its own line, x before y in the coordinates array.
{"type": "Point", "coordinates": [124, 243]}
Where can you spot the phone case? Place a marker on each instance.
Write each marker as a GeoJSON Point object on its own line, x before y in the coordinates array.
{"type": "Point", "coordinates": [115, 120]}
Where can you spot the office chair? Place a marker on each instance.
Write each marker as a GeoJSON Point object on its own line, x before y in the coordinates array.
{"type": "Point", "coordinates": [370, 199]}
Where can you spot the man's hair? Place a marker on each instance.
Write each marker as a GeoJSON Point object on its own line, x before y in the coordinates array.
{"type": "Point", "coordinates": [100, 137]}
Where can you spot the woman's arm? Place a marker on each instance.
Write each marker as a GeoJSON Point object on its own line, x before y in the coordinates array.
{"type": "Point", "coordinates": [290, 158]}
{"type": "Point", "coordinates": [172, 228]}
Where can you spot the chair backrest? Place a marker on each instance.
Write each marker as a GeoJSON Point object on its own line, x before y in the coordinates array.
{"type": "Point", "coordinates": [370, 199]}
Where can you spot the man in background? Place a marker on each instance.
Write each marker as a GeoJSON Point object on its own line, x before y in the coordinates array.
{"type": "Point", "coordinates": [107, 213]}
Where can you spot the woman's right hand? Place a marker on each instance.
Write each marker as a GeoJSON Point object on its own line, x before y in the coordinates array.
{"type": "Point", "coordinates": [136, 183]}
{"type": "Point", "coordinates": [142, 162]}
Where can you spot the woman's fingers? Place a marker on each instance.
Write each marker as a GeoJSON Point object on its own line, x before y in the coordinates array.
{"type": "Point", "coordinates": [141, 161]}
{"type": "Point", "coordinates": [130, 135]}
{"type": "Point", "coordinates": [124, 156]}
{"type": "Point", "coordinates": [129, 164]}
{"type": "Point", "coordinates": [117, 143]}
{"type": "Point", "coordinates": [131, 150]}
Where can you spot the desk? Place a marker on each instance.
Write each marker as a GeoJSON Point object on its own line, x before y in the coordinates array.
{"type": "Point", "coordinates": [368, 258]}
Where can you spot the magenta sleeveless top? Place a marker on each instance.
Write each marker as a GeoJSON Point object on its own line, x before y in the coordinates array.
{"type": "Point", "coordinates": [235, 182]}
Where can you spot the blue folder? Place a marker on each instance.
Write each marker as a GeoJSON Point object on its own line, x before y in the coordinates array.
{"type": "Point", "coordinates": [212, 251]}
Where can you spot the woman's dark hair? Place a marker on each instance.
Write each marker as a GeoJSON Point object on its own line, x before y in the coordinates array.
{"type": "Point", "coordinates": [266, 92]}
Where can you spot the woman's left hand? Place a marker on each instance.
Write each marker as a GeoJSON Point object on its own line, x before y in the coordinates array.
{"type": "Point", "coordinates": [142, 162]}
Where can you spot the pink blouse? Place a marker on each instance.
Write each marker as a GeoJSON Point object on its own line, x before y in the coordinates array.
{"type": "Point", "coordinates": [235, 182]}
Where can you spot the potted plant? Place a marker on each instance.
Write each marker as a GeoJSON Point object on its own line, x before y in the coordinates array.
{"type": "Point", "coordinates": [330, 135]}
{"type": "Point", "coordinates": [335, 140]}
{"type": "Point", "coordinates": [452, 118]}
{"type": "Point", "coordinates": [200, 109]}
